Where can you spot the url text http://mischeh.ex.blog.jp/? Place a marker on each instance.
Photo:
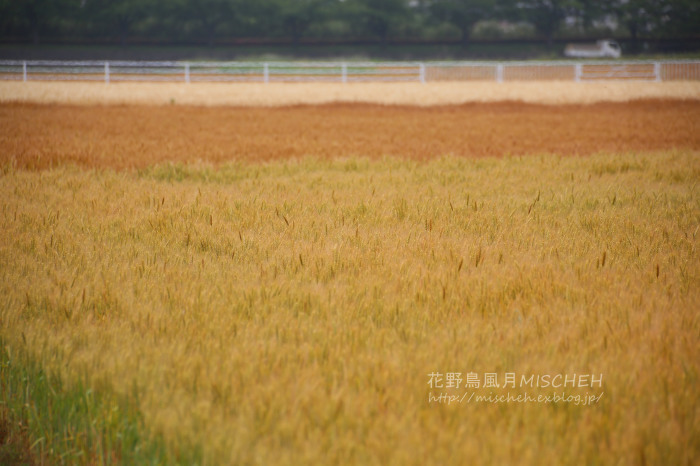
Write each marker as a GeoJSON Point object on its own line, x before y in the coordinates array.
{"type": "Point", "coordinates": [451, 388]}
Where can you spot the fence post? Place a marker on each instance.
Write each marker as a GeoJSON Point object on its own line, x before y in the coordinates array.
{"type": "Point", "coordinates": [266, 73]}
{"type": "Point", "coordinates": [499, 73]}
{"type": "Point", "coordinates": [107, 72]}
{"type": "Point", "coordinates": [421, 68]}
{"type": "Point", "coordinates": [577, 72]}
{"type": "Point", "coordinates": [657, 71]}
{"type": "Point", "coordinates": [187, 73]}
{"type": "Point", "coordinates": [344, 71]}
{"type": "Point", "coordinates": [24, 71]}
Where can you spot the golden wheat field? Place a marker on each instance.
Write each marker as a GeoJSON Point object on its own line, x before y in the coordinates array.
{"type": "Point", "coordinates": [489, 283]}
{"type": "Point", "coordinates": [127, 137]}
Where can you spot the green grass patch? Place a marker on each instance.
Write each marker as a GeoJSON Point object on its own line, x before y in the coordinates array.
{"type": "Point", "coordinates": [72, 423]}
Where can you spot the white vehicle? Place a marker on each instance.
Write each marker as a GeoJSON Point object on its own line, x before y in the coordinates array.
{"type": "Point", "coordinates": [601, 49]}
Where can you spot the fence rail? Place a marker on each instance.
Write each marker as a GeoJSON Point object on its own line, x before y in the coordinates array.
{"type": "Point", "coordinates": [124, 71]}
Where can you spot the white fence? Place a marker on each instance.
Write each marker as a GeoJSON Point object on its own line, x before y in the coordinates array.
{"type": "Point", "coordinates": [119, 71]}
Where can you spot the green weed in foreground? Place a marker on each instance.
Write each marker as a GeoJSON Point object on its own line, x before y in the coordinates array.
{"type": "Point", "coordinates": [290, 312]}
{"type": "Point", "coordinates": [71, 424]}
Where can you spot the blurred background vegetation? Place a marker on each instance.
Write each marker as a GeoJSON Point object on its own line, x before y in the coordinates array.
{"type": "Point", "coordinates": [401, 29]}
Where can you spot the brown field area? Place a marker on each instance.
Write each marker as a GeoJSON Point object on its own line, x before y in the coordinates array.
{"type": "Point", "coordinates": [39, 136]}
